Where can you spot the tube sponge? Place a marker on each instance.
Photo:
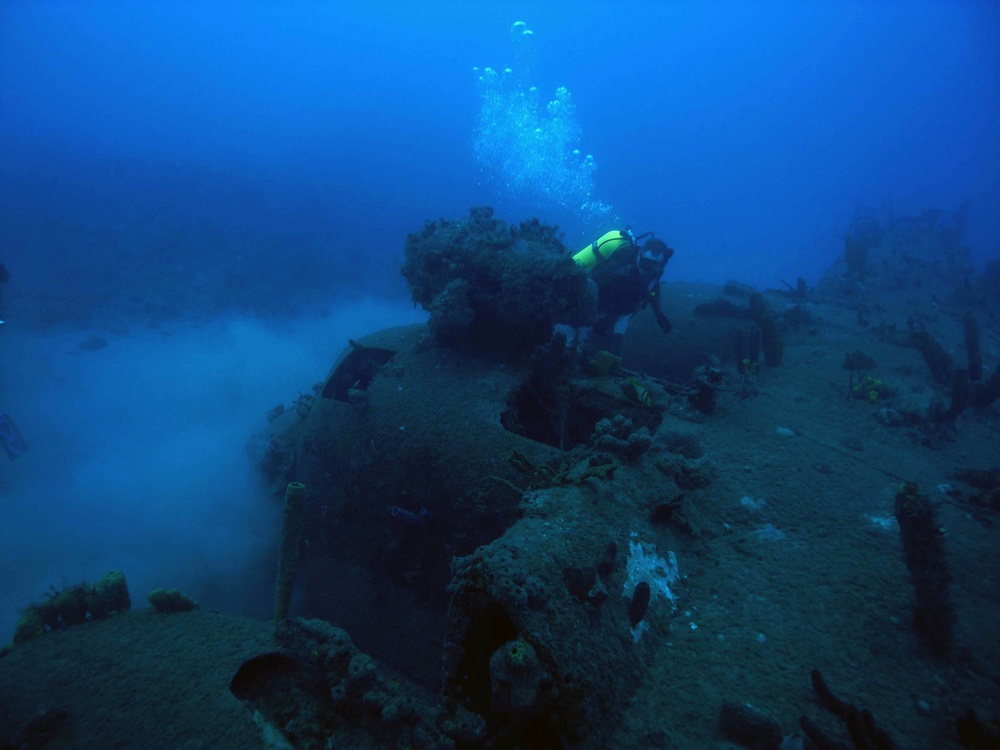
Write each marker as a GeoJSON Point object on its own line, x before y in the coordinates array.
{"type": "Point", "coordinates": [292, 521]}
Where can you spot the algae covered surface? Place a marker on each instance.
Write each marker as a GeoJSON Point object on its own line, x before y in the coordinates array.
{"type": "Point", "coordinates": [806, 569]}
{"type": "Point", "coordinates": [503, 547]}
{"type": "Point", "coordinates": [139, 679]}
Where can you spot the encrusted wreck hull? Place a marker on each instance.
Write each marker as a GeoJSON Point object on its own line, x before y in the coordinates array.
{"type": "Point", "coordinates": [444, 527]}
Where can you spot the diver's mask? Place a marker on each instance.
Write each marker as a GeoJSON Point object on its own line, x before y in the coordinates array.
{"type": "Point", "coordinates": [651, 261]}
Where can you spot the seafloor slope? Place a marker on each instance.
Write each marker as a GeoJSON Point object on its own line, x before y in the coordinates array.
{"type": "Point", "coordinates": [479, 523]}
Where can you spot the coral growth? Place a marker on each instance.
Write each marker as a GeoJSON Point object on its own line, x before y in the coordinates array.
{"type": "Point", "coordinates": [771, 336]}
{"type": "Point", "coordinates": [171, 600]}
{"type": "Point", "coordinates": [618, 435]}
{"type": "Point", "coordinates": [321, 691]}
{"type": "Point", "coordinates": [74, 605]}
{"type": "Point", "coordinates": [496, 286]}
{"type": "Point", "coordinates": [924, 550]}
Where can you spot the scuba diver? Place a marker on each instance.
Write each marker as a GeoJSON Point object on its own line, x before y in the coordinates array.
{"type": "Point", "coordinates": [11, 439]}
{"type": "Point", "coordinates": [627, 277]}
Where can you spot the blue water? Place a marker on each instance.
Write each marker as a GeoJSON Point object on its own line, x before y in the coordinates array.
{"type": "Point", "coordinates": [744, 135]}
{"type": "Point", "coordinates": [227, 188]}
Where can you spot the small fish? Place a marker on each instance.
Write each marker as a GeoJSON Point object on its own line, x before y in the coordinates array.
{"type": "Point", "coordinates": [639, 392]}
{"type": "Point", "coordinates": [11, 439]}
{"type": "Point", "coordinates": [408, 517]}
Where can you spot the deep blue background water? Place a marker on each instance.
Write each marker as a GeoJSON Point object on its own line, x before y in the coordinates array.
{"type": "Point", "coordinates": [744, 133]}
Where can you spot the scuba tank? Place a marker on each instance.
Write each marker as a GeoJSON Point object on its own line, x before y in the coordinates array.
{"type": "Point", "coordinates": [598, 251]}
